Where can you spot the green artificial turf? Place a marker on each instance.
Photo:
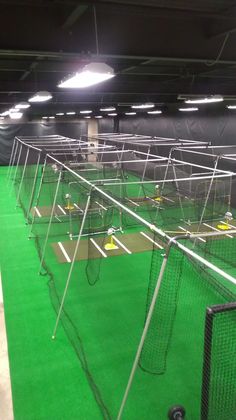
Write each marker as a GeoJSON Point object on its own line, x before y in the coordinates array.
{"type": "Point", "coordinates": [83, 373]}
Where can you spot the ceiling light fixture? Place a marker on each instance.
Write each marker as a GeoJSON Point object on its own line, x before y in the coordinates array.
{"type": "Point", "coordinates": [88, 111]}
{"type": "Point", "coordinates": [51, 117]}
{"type": "Point", "coordinates": [59, 114]}
{"type": "Point", "coordinates": [87, 116]}
{"type": "Point", "coordinates": [130, 113]}
{"type": "Point", "coordinates": [41, 96]}
{"type": "Point", "coordinates": [90, 75]}
{"type": "Point", "coordinates": [108, 109]}
{"type": "Point", "coordinates": [188, 109]}
{"type": "Point", "coordinates": [113, 114]}
{"type": "Point", "coordinates": [157, 111]}
{"type": "Point", "coordinates": [231, 106]}
{"type": "Point", "coordinates": [98, 116]}
{"type": "Point", "coordinates": [22, 105]}
{"type": "Point", "coordinates": [70, 113]}
{"type": "Point", "coordinates": [205, 100]}
{"type": "Point", "coordinates": [16, 115]}
{"type": "Point", "coordinates": [143, 106]}
{"type": "Point", "coordinates": [4, 114]}
{"type": "Point", "coordinates": [44, 118]}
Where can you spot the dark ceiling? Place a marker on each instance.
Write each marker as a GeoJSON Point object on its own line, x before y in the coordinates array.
{"type": "Point", "coordinates": [158, 49]}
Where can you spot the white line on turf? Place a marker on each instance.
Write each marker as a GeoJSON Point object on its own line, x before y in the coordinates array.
{"type": "Point", "coordinates": [5, 388]}
{"type": "Point", "coordinates": [151, 240]}
{"type": "Point", "coordinates": [98, 248]}
{"type": "Point", "coordinates": [60, 208]}
{"type": "Point", "coordinates": [38, 212]}
{"type": "Point", "coordinates": [104, 208]}
{"type": "Point", "coordinates": [217, 230]}
{"type": "Point", "coordinates": [188, 231]}
{"type": "Point", "coordinates": [64, 252]}
{"type": "Point", "coordinates": [122, 245]}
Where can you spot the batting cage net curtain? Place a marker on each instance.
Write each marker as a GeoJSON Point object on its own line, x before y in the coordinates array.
{"type": "Point", "coordinates": [130, 295]}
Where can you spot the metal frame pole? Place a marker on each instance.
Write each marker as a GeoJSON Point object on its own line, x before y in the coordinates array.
{"type": "Point", "coordinates": [22, 177]}
{"type": "Point", "coordinates": [18, 160]}
{"type": "Point", "coordinates": [13, 161]}
{"type": "Point", "coordinates": [38, 195]}
{"type": "Point", "coordinates": [10, 161]}
{"type": "Point", "coordinates": [72, 265]}
{"type": "Point", "coordinates": [50, 221]}
{"type": "Point", "coordinates": [33, 187]}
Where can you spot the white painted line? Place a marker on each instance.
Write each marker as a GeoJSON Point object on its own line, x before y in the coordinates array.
{"type": "Point", "coordinates": [104, 208]}
{"type": "Point", "coordinates": [151, 240]}
{"type": "Point", "coordinates": [133, 202]}
{"type": "Point", "coordinates": [187, 231]}
{"type": "Point", "coordinates": [122, 245]}
{"type": "Point", "coordinates": [60, 208]}
{"type": "Point", "coordinates": [168, 199]}
{"type": "Point", "coordinates": [37, 211]}
{"type": "Point", "coordinates": [76, 205]}
{"type": "Point", "coordinates": [5, 388]}
{"type": "Point", "coordinates": [64, 252]}
{"type": "Point", "coordinates": [98, 248]}
{"type": "Point", "coordinates": [217, 230]}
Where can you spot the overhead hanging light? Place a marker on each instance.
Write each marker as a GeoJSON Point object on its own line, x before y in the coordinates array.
{"type": "Point", "coordinates": [51, 117]}
{"type": "Point", "coordinates": [59, 114]}
{"type": "Point", "coordinates": [108, 109]}
{"type": "Point", "coordinates": [231, 106]}
{"type": "Point", "coordinates": [70, 113]}
{"type": "Point", "coordinates": [113, 114]}
{"type": "Point", "coordinates": [22, 105]}
{"type": "Point", "coordinates": [190, 109]}
{"type": "Point", "coordinates": [143, 106]}
{"type": "Point", "coordinates": [98, 116]}
{"type": "Point", "coordinates": [16, 115]}
{"type": "Point", "coordinates": [205, 100]}
{"type": "Point", "coordinates": [87, 116]}
{"type": "Point", "coordinates": [86, 111]}
{"type": "Point", "coordinates": [90, 75]}
{"type": "Point", "coordinates": [157, 111]}
{"type": "Point", "coordinates": [130, 113]}
{"type": "Point", "coordinates": [4, 114]}
{"type": "Point", "coordinates": [41, 96]}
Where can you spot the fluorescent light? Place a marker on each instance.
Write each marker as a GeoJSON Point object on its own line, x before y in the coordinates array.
{"type": "Point", "coordinates": [143, 106]}
{"type": "Point", "coordinates": [86, 111]}
{"type": "Point", "coordinates": [206, 100]}
{"type": "Point", "coordinates": [157, 111]}
{"type": "Point", "coordinates": [90, 75]}
{"type": "Point", "coordinates": [87, 116]}
{"type": "Point", "coordinates": [16, 115]}
{"type": "Point", "coordinates": [231, 106]}
{"type": "Point", "coordinates": [108, 109]}
{"type": "Point", "coordinates": [2, 118]}
{"type": "Point", "coordinates": [98, 116]}
{"type": "Point", "coordinates": [41, 96]}
{"type": "Point", "coordinates": [44, 118]}
{"type": "Point", "coordinates": [113, 114]}
{"type": "Point", "coordinates": [22, 105]}
{"type": "Point", "coordinates": [188, 109]}
{"type": "Point", "coordinates": [51, 117]}
{"type": "Point", "coordinates": [70, 113]}
{"type": "Point", "coordinates": [130, 113]}
{"type": "Point", "coordinates": [59, 114]}
{"type": "Point", "coordinates": [4, 114]}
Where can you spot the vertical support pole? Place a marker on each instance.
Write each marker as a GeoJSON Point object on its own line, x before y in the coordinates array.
{"type": "Point", "coordinates": [179, 197]}
{"type": "Point", "coordinates": [11, 158]}
{"type": "Point", "coordinates": [22, 177]}
{"type": "Point", "coordinates": [144, 171]}
{"type": "Point", "coordinates": [18, 161]}
{"type": "Point", "coordinates": [50, 221]}
{"type": "Point", "coordinates": [13, 161]}
{"type": "Point", "coordinates": [144, 334]}
{"type": "Point", "coordinates": [207, 196]}
{"type": "Point", "coordinates": [38, 195]}
{"type": "Point", "coordinates": [33, 187]}
{"type": "Point", "coordinates": [71, 266]}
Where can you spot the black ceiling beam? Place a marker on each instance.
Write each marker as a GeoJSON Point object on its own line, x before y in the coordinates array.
{"type": "Point", "coordinates": [74, 16]}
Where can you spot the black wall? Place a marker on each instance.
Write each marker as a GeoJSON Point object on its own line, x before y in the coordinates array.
{"type": "Point", "coordinates": [8, 132]}
{"type": "Point", "coordinates": [217, 126]}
